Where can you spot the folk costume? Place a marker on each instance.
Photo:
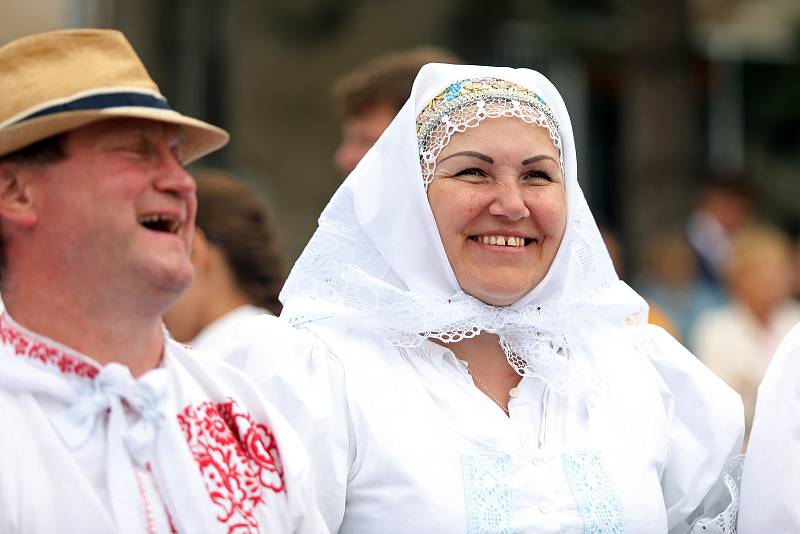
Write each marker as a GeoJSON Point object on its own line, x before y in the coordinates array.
{"type": "Point", "coordinates": [188, 447]}
{"type": "Point", "coordinates": [614, 427]}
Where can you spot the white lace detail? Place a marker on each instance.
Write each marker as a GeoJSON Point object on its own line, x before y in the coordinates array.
{"type": "Point", "coordinates": [471, 113]}
{"type": "Point", "coordinates": [487, 493]}
{"type": "Point", "coordinates": [723, 522]}
{"type": "Point", "coordinates": [598, 504]}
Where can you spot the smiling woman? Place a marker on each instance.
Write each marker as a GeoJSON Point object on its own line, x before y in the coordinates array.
{"type": "Point", "coordinates": [465, 359]}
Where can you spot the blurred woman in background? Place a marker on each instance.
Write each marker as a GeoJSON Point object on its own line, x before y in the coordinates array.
{"type": "Point", "coordinates": [238, 269]}
{"type": "Point", "coordinates": [737, 340]}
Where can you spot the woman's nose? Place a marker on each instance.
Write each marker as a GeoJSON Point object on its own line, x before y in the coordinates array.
{"type": "Point", "coordinates": [509, 202]}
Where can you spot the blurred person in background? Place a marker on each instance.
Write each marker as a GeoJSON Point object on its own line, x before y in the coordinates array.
{"type": "Point", "coordinates": [725, 206]}
{"type": "Point", "coordinates": [656, 315]}
{"type": "Point", "coordinates": [669, 280]}
{"type": "Point", "coordinates": [367, 98]}
{"type": "Point", "coordinates": [238, 268]}
{"type": "Point", "coordinates": [737, 340]}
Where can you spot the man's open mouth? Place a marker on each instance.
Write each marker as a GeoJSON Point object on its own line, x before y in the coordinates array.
{"type": "Point", "coordinates": [161, 223]}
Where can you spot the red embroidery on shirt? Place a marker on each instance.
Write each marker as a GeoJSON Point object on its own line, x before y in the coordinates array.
{"type": "Point", "coordinates": [148, 513]}
{"type": "Point", "coordinates": [238, 459]}
{"type": "Point", "coordinates": [37, 350]}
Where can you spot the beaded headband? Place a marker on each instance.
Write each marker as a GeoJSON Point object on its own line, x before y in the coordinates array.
{"type": "Point", "coordinates": [466, 103]}
{"type": "Point", "coordinates": [459, 94]}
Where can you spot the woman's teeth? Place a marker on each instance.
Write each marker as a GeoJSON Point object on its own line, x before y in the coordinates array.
{"type": "Point", "coordinates": [502, 240]}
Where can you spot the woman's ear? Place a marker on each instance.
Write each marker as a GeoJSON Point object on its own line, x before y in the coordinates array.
{"type": "Point", "coordinates": [17, 204]}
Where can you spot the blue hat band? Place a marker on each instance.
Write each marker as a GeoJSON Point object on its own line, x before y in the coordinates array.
{"type": "Point", "coordinates": [102, 101]}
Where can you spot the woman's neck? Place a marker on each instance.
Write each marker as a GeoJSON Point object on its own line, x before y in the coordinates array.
{"type": "Point", "coordinates": [488, 366]}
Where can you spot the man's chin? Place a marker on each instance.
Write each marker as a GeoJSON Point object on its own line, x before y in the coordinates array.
{"type": "Point", "coordinates": [172, 281]}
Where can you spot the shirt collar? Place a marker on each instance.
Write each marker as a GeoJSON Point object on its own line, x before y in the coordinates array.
{"type": "Point", "coordinates": [53, 355]}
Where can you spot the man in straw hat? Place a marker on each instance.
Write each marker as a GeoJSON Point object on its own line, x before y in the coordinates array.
{"type": "Point", "coordinates": [107, 425]}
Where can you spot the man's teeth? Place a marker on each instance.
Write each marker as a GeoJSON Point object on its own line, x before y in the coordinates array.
{"type": "Point", "coordinates": [507, 241]}
{"type": "Point", "coordinates": [163, 223]}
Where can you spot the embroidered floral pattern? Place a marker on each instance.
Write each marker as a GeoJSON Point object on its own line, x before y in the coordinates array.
{"type": "Point", "coordinates": [26, 346]}
{"type": "Point", "coordinates": [487, 493]}
{"type": "Point", "coordinates": [238, 459]}
{"type": "Point", "coordinates": [598, 503]}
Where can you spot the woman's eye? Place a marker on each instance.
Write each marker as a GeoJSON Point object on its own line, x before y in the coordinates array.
{"type": "Point", "coordinates": [472, 171]}
{"type": "Point", "coordinates": [537, 176]}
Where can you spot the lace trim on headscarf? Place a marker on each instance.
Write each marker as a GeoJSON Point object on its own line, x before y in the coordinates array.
{"type": "Point", "coordinates": [466, 104]}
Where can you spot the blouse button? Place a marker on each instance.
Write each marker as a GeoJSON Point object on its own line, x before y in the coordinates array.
{"type": "Point", "coordinates": [537, 460]}
{"type": "Point", "coordinates": [513, 393]}
{"type": "Point", "coordinates": [546, 508]}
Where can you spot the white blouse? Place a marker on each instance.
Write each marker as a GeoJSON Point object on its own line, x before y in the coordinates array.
{"type": "Point", "coordinates": [402, 441]}
{"type": "Point", "coordinates": [213, 339]}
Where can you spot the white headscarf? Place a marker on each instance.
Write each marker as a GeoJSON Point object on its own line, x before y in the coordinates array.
{"type": "Point", "coordinates": [377, 256]}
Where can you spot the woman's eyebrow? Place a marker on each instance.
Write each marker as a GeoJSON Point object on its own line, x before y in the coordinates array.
{"type": "Point", "coordinates": [534, 159]}
{"type": "Point", "coordinates": [472, 153]}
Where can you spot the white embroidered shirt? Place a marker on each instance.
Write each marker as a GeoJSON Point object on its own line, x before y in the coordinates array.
{"type": "Point", "coordinates": [189, 447]}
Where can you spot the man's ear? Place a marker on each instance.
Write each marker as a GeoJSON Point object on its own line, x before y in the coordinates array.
{"type": "Point", "coordinates": [16, 195]}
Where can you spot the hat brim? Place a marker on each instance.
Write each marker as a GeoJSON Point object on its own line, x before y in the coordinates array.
{"type": "Point", "coordinates": [199, 138]}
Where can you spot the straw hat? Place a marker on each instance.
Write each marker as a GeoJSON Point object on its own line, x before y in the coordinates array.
{"type": "Point", "coordinates": [58, 81]}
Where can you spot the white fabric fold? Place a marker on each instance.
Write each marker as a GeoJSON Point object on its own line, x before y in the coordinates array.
{"type": "Point", "coordinates": [134, 410]}
{"type": "Point", "coordinates": [87, 401]}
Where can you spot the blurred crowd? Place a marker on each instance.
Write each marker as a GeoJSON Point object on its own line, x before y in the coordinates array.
{"type": "Point", "coordinates": [726, 284]}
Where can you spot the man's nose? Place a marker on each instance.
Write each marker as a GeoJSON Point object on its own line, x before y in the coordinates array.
{"type": "Point", "coordinates": [174, 179]}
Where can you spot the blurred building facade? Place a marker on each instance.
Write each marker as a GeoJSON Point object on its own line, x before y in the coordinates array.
{"type": "Point", "coordinates": [662, 93]}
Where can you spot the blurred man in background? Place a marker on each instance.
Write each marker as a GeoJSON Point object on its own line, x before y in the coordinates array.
{"type": "Point", "coordinates": [367, 98]}
{"type": "Point", "coordinates": [725, 206]}
{"type": "Point", "coordinates": [238, 268]}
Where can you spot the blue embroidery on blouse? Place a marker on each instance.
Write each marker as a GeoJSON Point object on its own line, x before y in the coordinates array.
{"type": "Point", "coordinates": [487, 493]}
{"type": "Point", "coordinates": [598, 503]}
